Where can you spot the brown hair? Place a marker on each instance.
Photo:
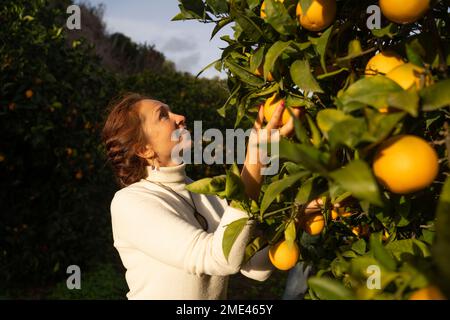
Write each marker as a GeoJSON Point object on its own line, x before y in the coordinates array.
{"type": "Point", "coordinates": [123, 137]}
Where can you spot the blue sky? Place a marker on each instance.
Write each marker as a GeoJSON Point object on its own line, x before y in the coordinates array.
{"type": "Point", "coordinates": [186, 43]}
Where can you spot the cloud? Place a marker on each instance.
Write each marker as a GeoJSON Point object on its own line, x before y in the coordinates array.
{"type": "Point", "coordinates": [189, 63]}
{"type": "Point", "coordinates": [177, 44]}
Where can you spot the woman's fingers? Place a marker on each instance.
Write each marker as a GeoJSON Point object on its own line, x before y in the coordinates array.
{"type": "Point", "coordinates": [259, 118]}
{"type": "Point", "coordinates": [288, 129]}
{"type": "Point", "coordinates": [275, 121]}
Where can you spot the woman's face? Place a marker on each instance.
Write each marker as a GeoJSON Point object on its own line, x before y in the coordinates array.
{"type": "Point", "coordinates": [159, 125]}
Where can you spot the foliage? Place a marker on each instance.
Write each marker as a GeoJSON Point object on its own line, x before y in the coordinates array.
{"type": "Point", "coordinates": [337, 137]}
{"type": "Point", "coordinates": [55, 184]}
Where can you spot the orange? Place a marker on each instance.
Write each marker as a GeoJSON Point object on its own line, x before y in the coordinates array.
{"type": "Point", "coordinates": [408, 75]}
{"type": "Point", "coordinates": [271, 105]}
{"type": "Point", "coordinates": [339, 212]}
{"type": "Point", "coordinates": [320, 14]}
{"type": "Point", "coordinates": [428, 293]}
{"type": "Point", "coordinates": [314, 224]}
{"type": "Point", "coordinates": [405, 164]}
{"type": "Point", "coordinates": [401, 11]}
{"type": "Point", "coordinates": [382, 63]}
{"type": "Point", "coordinates": [284, 255]}
{"type": "Point", "coordinates": [29, 93]}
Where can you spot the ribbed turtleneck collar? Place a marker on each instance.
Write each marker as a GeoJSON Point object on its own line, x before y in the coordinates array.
{"type": "Point", "coordinates": [167, 174]}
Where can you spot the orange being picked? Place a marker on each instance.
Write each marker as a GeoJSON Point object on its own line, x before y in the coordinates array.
{"type": "Point", "coordinates": [404, 11]}
{"type": "Point", "coordinates": [382, 63]}
{"type": "Point", "coordinates": [405, 164]}
{"type": "Point", "coordinates": [428, 293]}
{"type": "Point", "coordinates": [284, 255]}
{"type": "Point", "coordinates": [313, 224]}
{"type": "Point", "coordinates": [320, 15]}
{"type": "Point", "coordinates": [271, 105]}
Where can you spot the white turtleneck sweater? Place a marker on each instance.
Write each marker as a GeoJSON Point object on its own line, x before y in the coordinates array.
{"type": "Point", "coordinates": [165, 251]}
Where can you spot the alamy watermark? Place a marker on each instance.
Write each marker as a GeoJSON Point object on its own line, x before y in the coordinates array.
{"type": "Point", "coordinates": [374, 280]}
{"type": "Point", "coordinates": [74, 280]}
{"type": "Point", "coordinates": [228, 150]}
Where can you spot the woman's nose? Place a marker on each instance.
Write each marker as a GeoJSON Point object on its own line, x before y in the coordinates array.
{"type": "Point", "coordinates": [180, 120]}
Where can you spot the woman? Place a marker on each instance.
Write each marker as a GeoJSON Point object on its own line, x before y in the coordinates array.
{"type": "Point", "coordinates": [169, 240]}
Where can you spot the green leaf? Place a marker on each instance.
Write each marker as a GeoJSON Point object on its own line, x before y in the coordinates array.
{"type": "Point", "coordinates": [290, 232]}
{"type": "Point", "coordinates": [407, 248]}
{"type": "Point", "coordinates": [322, 45]}
{"type": "Point", "coordinates": [252, 4]}
{"type": "Point", "coordinates": [218, 6]}
{"type": "Point", "coordinates": [278, 17]}
{"type": "Point", "coordinates": [305, 4]}
{"type": "Point", "coordinates": [253, 247]}
{"type": "Point", "coordinates": [329, 289]}
{"type": "Point", "coordinates": [245, 75]}
{"type": "Point", "coordinates": [373, 91]}
{"type": "Point", "coordinates": [256, 59]}
{"type": "Point", "coordinates": [308, 156]}
{"type": "Point", "coordinates": [357, 178]}
{"type": "Point", "coordinates": [316, 136]}
{"type": "Point", "coordinates": [407, 100]}
{"type": "Point", "coordinates": [413, 56]}
{"type": "Point", "coordinates": [232, 231]}
{"type": "Point", "coordinates": [380, 125]}
{"type": "Point", "coordinates": [249, 28]}
{"type": "Point", "coordinates": [277, 187]}
{"type": "Point", "coordinates": [222, 23]}
{"type": "Point", "coordinates": [381, 254]}
{"type": "Point", "coordinates": [328, 118]}
{"type": "Point", "coordinates": [234, 188]}
{"type": "Point", "coordinates": [436, 96]}
{"type": "Point", "coordinates": [359, 246]}
{"type": "Point", "coordinates": [301, 75]}
{"type": "Point", "coordinates": [208, 185]}
{"type": "Point", "coordinates": [348, 132]}
{"type": "Point", "coordinates": [389, 31]}
{"type": "Point", "coordinates": [272, 55]}
{"type": "Point", "coordinates": [442, 246]}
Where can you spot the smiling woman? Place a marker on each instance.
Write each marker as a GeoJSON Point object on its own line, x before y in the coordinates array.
{"type": "Point", "coordinates": [169, 240]}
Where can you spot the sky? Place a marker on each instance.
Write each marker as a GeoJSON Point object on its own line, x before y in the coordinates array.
{"type": "Point", "coordinates": [186, 43]}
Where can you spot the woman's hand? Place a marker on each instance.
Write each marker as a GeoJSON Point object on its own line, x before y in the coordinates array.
{"type": "Point", "coordinates": [251, 172]}
{"type": "Point", "coordinates": [275, 122]}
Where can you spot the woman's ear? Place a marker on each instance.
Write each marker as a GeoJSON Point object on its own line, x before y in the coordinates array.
{"type": "Point", "coordinates": [146, 152]}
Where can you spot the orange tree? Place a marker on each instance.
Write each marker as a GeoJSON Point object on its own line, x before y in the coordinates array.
{"type": "Point", "coordinates": [371, 143]}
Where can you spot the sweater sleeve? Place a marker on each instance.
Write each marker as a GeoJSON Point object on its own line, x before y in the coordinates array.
{"type": "Point", "coordinates": [259, 266]}
{"type": "Point", "coordinates": [157, 230]}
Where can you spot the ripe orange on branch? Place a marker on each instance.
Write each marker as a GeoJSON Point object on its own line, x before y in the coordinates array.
{"type": "Point", "coordinates": [320, 15]}
{"type": "Point", "coordinates": [382, 63]}
{"type": "Point", "coordinates": [313, 224]}
{"type": "Point", "coordinates": [284, 255]}
{"type": "Point", "coordinates": [401, 11]}
{"type": "Point", "coordinates": [408, 75]}
{"type": "Point", "coordinates": [405, 164]}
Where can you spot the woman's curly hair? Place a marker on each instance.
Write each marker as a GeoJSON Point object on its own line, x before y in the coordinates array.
{"type": "Point", "coordinates": [124, 137]}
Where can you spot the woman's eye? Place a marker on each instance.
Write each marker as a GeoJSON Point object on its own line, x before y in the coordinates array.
{"type": "Point", "coordinates": [163, 115]}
